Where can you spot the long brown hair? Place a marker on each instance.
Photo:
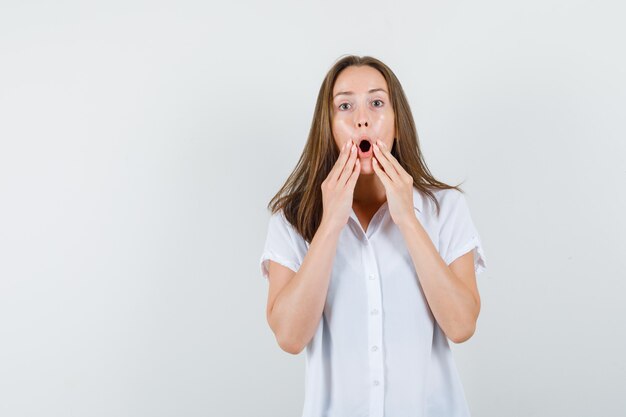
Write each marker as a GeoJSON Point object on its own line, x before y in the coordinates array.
{"type": "Point", "coordinates": [300, 197]}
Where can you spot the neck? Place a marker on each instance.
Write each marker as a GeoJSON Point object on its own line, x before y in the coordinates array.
{"type": "Point", "coordinates": [369, 190]}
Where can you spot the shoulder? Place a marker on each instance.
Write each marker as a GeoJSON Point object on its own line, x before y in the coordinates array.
{"type": "Point", "coordinates": [278, 217]}
{"type": "Point", "coordinates": [278, 220]}
{"type": "Point", "coordinates": [280, 225]}
{"type": "Point", "coordinates": [448, 200]}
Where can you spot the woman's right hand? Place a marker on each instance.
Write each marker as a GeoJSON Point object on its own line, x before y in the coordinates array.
{"type": "Point", "coordinates": [338, 187]}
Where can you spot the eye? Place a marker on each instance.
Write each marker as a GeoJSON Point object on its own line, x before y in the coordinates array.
{"type": "Point", "coordinates": [381, 103]}
{"type": "Point", "coordinates": [340, 108]}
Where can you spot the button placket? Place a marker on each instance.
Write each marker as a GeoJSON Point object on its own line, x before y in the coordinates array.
{"type": "Point", "coordinates": [375, 332]}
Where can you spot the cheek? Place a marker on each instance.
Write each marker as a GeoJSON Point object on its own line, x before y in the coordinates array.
{"type": "Point", "coordinates": [342, 129]}
{"type": "Point", "coordinates": [384, 124]}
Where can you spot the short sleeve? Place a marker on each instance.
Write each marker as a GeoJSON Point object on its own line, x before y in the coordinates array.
{"type": "Point", "coordinates": [282, 245]}
{"type": "Point", "coordinates": [457, 233]}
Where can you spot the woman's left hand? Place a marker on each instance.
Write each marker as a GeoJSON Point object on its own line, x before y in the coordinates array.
{"type": "Point", "coordinates": [397, 182]}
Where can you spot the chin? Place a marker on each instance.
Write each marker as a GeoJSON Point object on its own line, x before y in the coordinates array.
{"type": "Point", "coordinates": [367, 168]}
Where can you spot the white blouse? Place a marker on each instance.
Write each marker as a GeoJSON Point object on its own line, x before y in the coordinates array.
{"type": "Point", "coordinates": [378, 351]}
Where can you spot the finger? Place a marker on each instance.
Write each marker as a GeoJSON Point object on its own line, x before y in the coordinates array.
{"type": "Point", "coordinates": [348, 168]}
{"type": "Point", "coordinates": [334, 170]}
{"type": "Point", "coordinates": [341, 160]}
{"type": "Point", "coordinates": [392, 159]}
{"type": "Point", "coordinates": [355, 175]}
{"type": "Point", "coordinates": [386, 164]}
{"type": "Point", "coordinates": [386, 180]}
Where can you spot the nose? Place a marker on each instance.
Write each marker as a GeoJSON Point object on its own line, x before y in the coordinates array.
{"type": "Point", "coordinates": [361, 119]}
{"type": "Point", "coordinates": [361, 115]}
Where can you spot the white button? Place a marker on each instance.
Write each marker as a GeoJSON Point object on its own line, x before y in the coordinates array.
{"type": "Point", "coordinates": [374, 311]}
{"type": "Point", "coordinates": [376, 382]}
{"type": "Point", "coordinates": [374, 348]}
{"type": "Point", "coordinates": [372, 276]}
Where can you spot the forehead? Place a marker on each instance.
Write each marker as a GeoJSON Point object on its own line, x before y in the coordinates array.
{"type": "Point", "coordinates": [359, 80]}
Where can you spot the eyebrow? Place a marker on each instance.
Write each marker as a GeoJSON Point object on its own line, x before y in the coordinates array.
{"type": "Point", "coordinates": [348, 93]}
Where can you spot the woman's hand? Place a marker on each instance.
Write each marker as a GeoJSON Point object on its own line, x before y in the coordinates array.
{"type": "Point", "coordinates": [338, 187]}
{"type": "Point", "coordinates": [397, 182]}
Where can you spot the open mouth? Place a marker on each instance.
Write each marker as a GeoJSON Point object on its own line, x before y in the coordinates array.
{"type": "Point", "coordinates": [365, 149]}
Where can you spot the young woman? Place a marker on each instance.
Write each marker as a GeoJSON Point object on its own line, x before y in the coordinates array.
{"type": "Point", "coordinates": [371, 262]}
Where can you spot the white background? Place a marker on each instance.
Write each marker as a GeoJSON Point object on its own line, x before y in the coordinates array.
{"type": "Point", "coordinates": [142, 141]}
